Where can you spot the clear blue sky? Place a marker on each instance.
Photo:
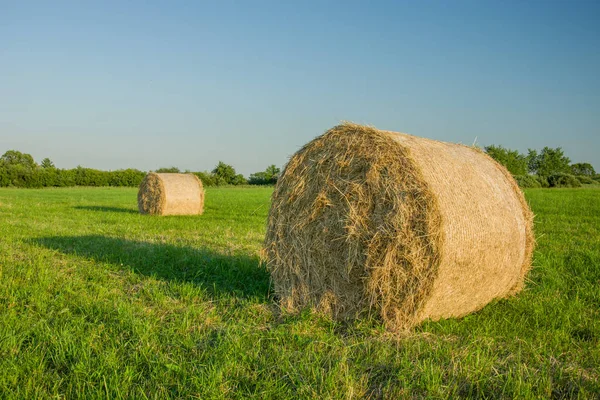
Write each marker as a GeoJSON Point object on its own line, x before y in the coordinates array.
{"type": "Point", "coordinates": [117, 84]}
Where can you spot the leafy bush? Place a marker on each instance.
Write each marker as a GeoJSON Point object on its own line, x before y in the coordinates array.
{"type": "Point", "coordinates": [585, 179]}
{"type": "Point", "coordinates": [126, 177]}
{"type": "Point", "coordinates": [65, 177]}
{"type": "Point", "coordinates": [90, 177]}
{"type": "Point", "coordinates": [174, 170]}
{"type": "Point", "coordinates": [527, 181]}
{"type": "Point", "coordinates": [21, 176]}
{"type": "Point", "coordinates": [46, 176]}
{"type": "Point", "coordinates": [17, 175]}
{"type": "Point", "coordinates": [563, 180]}
{"type": "Point", "coordinates": [239, 180]}
{"type": "Point", "coordinates": [206, 177]}
{"type": "Point", "coordinates": [542, 180]}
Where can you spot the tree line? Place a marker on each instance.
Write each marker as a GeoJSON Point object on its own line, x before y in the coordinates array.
{"type": "Point", "coordinates": [549, 167]}
{"type": "Point", "coordinates": [20, 170]}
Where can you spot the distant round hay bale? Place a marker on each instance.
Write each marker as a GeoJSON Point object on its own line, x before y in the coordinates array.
{"type": "Point", "coordinates": [171, 194]}
{"type": "Point", "coordinates": [366, 221]}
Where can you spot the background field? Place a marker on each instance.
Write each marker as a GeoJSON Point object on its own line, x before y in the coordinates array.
{"type": "Point", "coordinates": [99, 301]}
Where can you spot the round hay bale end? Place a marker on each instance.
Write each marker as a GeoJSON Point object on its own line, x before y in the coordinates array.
{"type": "Point", "coordinates": [171, 194]}
{"type": "Point", "coordinates": [366, 221]}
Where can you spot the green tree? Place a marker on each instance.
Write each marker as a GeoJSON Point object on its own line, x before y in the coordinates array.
{"type": "Point", "coordinates": [266, 177]}
{"type": "Point", "coordinates": [515, 162]}
{"type": "Point", "coordinates": [17, 169]}
{"type": "Point", "coordinates": [47, 163]}
{"type": "Point", "coordinates": [272, 171]}
{"type": "Point", "coordinates": [14, 157]}
{"type": "Point", "coordinates": [549, 161]}
{"type": "Point", "coordinates": [239, 180]}
{"type": "Point", "coordinates": [583, 169]}
{"type": "Point", "coordinates": [532, 161]}
{"type": "Point", "coordinates": [225, 174]}
{"type": "Point", "coordinates": [258, 178]}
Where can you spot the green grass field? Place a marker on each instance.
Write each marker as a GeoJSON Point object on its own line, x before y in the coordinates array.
{"type": "Point", "coordinates": [97, 301]}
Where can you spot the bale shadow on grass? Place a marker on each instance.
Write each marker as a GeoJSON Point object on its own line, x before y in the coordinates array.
{"type": "Point", "coordinates": [241, 276]}
{"type": "Point", "coordinates": [107, 209]}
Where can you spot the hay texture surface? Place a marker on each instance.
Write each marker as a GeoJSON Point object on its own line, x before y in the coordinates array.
{"type": "Point", "coordinates": [367, 221]}
{"type": "Point", "coordinates": [171, 194]}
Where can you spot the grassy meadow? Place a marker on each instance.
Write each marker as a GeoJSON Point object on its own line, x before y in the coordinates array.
{"type": "Point", "coordinates": [97, 301]}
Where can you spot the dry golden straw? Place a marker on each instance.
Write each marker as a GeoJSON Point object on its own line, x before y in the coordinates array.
{"type": "Point", "coordinates": [171, 194]}
{"type": "Point", "coordinates": [366, 221]}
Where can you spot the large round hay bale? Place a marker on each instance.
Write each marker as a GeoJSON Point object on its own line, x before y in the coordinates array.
{"type": "Point", "coordinates": [369, 221]}
{"type": "Point", "coordinates": [171, 194]}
